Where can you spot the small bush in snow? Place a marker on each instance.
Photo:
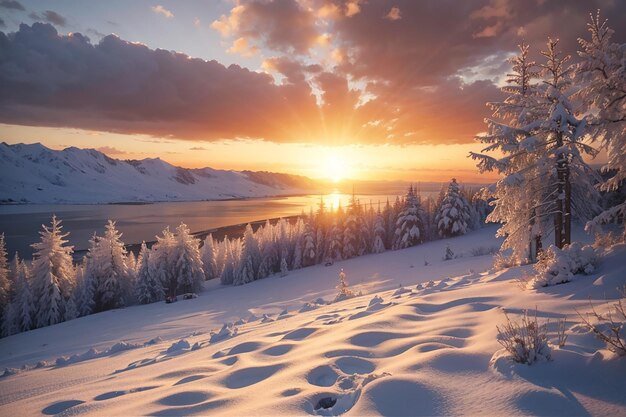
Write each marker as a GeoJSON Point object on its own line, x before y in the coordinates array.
{"type": "Point", "coordinates": [501, 261]}
{"type": "Point", "coordinates": [526, 340]}
{"type": "Point", "coordinates": [344, 291]}
{"type": "Point", "coordinates": [449, 254]}
{"type": "Point", "coordinates": [611, 329]}
{"type": "Point", "coordinates": [606, 240]}
{"type": "Point", "coordinates": [556, 266]}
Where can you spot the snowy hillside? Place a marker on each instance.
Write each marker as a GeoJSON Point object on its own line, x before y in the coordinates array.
{"type": "Point", "coordinates": [426, 348]}
{"type": "Point", "coordinates": [36, 174]}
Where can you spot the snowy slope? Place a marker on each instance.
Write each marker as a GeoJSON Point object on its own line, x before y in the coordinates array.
{"type": "Point", "coordinates": [428, 350]}
{"type": "Point", "coordinates": [36, 174]}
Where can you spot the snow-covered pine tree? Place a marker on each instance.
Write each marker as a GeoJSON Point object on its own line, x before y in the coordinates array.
{"type": "Point", "coordinates": [250, 258]}
{"type": "Point", "coordinates": [209, 260]}
{"type": "Point", "coordinates": [71, 311]}
{"type": "Point", "coordinates": [309, 254]}
{"type": "Point", "coordinates": [390, 224]}
{"type": "Point", "coordinates": [23, 301]}
{"type": "Point", "coordinates": [86, 285]}
{"type": "Point", "coordinates": [52, 274]}
{"type": "Point", "coordinates": [602, 75]}
{"type": "Point", "coordinates": [453, 217]}
{"type": "Point", "coordinates": [351, 230]}
{"type": "Point", "coordinates": [4, 277]}
{"type": "Point", "coordinates": [187, 267]}
{"type": "Point", "coordinates": [269, 256]}
{"type": "Point", "coordinates": [563, 132]}
{"type": "Point", "coordinates": [519, 198]}
{"type": "Point", "coordinates": [148, 286]}
{"type": "Point", "coordinates": [378, 245]}
{"type": "Point", "coordinates": [227, 275]}
{"type": "Point", "coordinates": [409, 225]}
{"type": "Point", "coordinates": [334, 246]}
{"type": "Point", "coordinates": [298, 232]}
{"type": "Point", "coordinates": [132, 262]}
{"type": "Point", "coordinates": [109, 269]}
{"type": "Point", "coordinates": [284, 269]}
{"type": "Point", "coordinates": [161, 261]}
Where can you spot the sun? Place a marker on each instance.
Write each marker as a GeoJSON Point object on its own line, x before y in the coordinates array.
{"type": "Point", "coordinates": [335, 168]}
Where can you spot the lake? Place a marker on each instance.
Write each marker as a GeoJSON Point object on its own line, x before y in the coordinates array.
{"type": "Point", "coordinates": [21, 223]}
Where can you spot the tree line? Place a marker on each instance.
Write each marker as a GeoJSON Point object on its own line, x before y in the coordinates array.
{"type": "Point", "coordinates": [52, 288]}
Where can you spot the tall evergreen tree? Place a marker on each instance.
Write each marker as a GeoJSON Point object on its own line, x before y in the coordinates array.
{"type": "Point", "coordinates": [602, 75]}
{"type": "Point", "coordinates": [187, 266]}
{"type": "Point", "coordinates": [149, 287]}
{"type": "Point", "coordinates": [4, 277]}
{"type": "Point", "coordinates": [109, 269]}
{"type": "Point", "coordinates": [23, 302]}
{"type": "Point", "coordinates": [53, 274]}
{"type": "Point", "coordinates": [209, 260]}
{"type": "Point", "coordinates": [410, 224]}
{"type": "Point", "coordinates": [453, 216]}
{"type": "Point", "coordinates": [250, 258]}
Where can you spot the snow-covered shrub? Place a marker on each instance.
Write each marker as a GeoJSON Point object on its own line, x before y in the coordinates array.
{"type": "Point", "coordinates": [502, 261]}
{"type": "Point", "coordinates": [556, 266]}
{"type": "Point", "coordinates": [606, 240]}
{"type": "Point", "coordinates": [610, 328]}
{"type": "Point", "coordinates": [344, 291]}
{"type": "Point", "coordinates": [526, 340]}
{"type": "Point", "coordinates": [449, 254]}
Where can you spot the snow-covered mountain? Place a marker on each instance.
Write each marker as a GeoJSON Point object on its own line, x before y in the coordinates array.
{"type": "Point", "coordinates": [33, 173]}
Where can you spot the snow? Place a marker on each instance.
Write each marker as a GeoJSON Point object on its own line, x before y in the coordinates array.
{"type": "Point", "coordinates": [427, 351]}
{"type": "Point", "coordinates": [34, 173]}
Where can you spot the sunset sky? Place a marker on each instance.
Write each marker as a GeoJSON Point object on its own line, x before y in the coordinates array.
{"type": "Point", "coordinates": [323, 88]}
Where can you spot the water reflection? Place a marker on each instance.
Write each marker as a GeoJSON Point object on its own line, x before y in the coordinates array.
{"type": "Point", "coordinates": [21, 223]}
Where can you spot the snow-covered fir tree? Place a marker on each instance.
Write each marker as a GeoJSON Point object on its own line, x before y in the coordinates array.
{"type": "Point", "coordinates": [250, 258]}
{"type": "Point", "coordinates": [228, 270]}
{"type": "Point", "coordinates": [351, 230]}
{"type": "Point", "coordinates": [86, 284]}
{"type": "Point", "coordinates": [109, 269]}
{"type": "Point", "coordinates": [309, 254]}
{"type": "Point", "coordinates": [409, 225]}
{"type": "Point", "coordinates": [519, 199]}
{"type": "Point", "coordinates": [602, 75]}
{"type": "Point", "coordinates": [454, 214]}
{"type": "Point", "coordinates": [187, 263]}
{"type": "Point", "coordinates": [4, 277]}
{"type": "Point", "coordinates": [148, 285]}
{"type": "Point", "coordinates": [334, 244]}
{"type": "Point", "coordinates": [209, 260]}
{"type": "Point", "coordinates": [23, 300]}
{"type": "Point", "coordinates": [269, 255]}
{"type": "Point", "coordinates": [160, 260]}
{"type": "Point", "coordinates": [284, 269]}
{"type": "Point", "coordinates": [378, 245]}
{"type": "Point", "coordinates": [52, 274]}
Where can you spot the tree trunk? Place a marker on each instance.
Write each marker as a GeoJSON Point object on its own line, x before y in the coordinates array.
{"type": "Point", "coordinates": [560, 206]}
{"type": "Point", "coordinates": [567, 227]}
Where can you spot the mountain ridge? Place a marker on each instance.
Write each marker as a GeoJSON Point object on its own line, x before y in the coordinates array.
{"type": "Point", "coordinates": [34, 173]}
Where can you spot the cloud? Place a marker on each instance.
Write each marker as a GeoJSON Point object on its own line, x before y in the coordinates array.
{"type": "Point", "coordinates": [119, 86]}
{"type": "Point", "coordinates": [50, 17]}
{"type": "Point", "coordinates": [197, 148]}
{"type": "Point", "coordinates": [2, 24]}
{"type": "Point", "coordinates": [11, 4]}
{"type": "Point", "coordinates": [162, 11]}
{"type": "Point", "coordinates": [394, 14]}
{"type": "Point", "coordinates": [422, 78]}
{"type": "Point", "coordinates": [109, 150]}
{"type": "Point", "coordinates": [280, 25]}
